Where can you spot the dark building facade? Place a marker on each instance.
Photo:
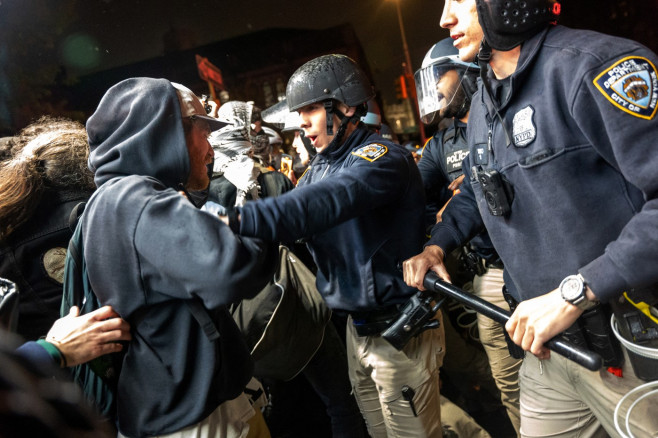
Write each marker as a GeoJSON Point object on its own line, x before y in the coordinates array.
{"type": "Point", "coordinates": [254, 67]}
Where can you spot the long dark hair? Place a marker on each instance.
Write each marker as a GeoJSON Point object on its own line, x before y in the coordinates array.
{"type": "Point", "coordinates": [52, 154]}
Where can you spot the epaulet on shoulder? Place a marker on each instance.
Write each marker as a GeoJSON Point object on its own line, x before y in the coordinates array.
{"type": "Point", "coordinates": [371, 151]}
{"type": "Point", "coordinates": [305, 170]}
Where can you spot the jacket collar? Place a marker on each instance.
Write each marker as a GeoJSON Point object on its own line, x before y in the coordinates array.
{"type": "Point", "coordinates": [529, 52]}
{"type": "Point", "coordinates": [358, 136]}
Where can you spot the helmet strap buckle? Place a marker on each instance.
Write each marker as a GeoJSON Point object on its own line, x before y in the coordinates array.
{"type": "Point", "coordinates": [484, 54]}
{"type": "Point", "coordinates": [329, 109]}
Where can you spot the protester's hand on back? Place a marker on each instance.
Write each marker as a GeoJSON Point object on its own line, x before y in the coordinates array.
{"type": "Point", "coordinates": [83, 338]}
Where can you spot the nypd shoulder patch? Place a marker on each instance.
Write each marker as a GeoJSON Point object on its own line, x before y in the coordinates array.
{"type": "Point", "coordinates": [371, 152]}
{"type": "Point", "coordinates": [631, 84]}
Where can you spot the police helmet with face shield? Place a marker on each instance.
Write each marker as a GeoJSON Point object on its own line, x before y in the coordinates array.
{"type": "Point", "coordinates": [439, 79]}
{"type": "Point", "coordinates": [508, 23]}
{"type": "Point", "coordinates": [329, 79]}
{"type": "Point", "coordinates": [280, 116]}
{"type": "Point", "coordinates": [272, 136]}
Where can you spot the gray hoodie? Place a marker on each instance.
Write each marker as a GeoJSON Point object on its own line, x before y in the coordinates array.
{"type": "Point", "coordinates": [148, 249]}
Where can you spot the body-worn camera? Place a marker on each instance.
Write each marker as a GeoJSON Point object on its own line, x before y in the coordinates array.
{"type": "Point", "coordinates": [497, 192]}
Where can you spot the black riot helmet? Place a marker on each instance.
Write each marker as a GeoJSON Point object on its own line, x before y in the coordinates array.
{"type": "Point", "coordinates": [443, 81]}
{"type": "Point", "coordinates": [508, 23]}
{"type": "Point", "coordinates": [328, 79]}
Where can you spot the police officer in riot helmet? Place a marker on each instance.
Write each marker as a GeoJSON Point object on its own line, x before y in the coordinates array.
{"type": "Point", "coordinates": [343, 93]}
{"type": "Point", "coordinates": [561, 170]}
{"type": "Point", "coordinates": [444, 86]}
{"type": "Point", "coordinates": [359, 206]}
{"type": "Point", "coordinates": [373, 120]}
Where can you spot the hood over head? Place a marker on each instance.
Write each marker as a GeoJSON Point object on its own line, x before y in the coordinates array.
{"type": "Point", "coordinates": [137, 129]}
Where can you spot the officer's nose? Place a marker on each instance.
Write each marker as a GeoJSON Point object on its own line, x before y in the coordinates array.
{"type": "Point", "coordinates": [447, 17]}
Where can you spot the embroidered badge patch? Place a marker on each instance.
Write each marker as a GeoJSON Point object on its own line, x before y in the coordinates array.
{"type": "Point", "coordinates": [523, 128]}
{"type": "Point", "coordinates": [371, 152]}
{"type": "Point", "coordinates": [631, 85]}
{"type": "Point", "coordinates": [53, 262]}
{"type": "Point", "coordinates": [454, 160]}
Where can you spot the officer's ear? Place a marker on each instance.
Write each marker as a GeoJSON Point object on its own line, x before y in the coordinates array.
{"type": "Point", "coordinates": [348, 111]}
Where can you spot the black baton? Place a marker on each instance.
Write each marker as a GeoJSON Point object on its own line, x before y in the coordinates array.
{"type": "Point", "coordinates": [558, 344]}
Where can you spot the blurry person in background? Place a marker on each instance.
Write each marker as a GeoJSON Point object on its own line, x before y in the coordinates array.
{"type": "Point", "coordinates": [241, 169]}
{"type": "Point", "coordinates": [373, 120]}
{"type": "Point", "coordinates": [39, 186]}
{"type": "Point", "coordinates": [302, 145]}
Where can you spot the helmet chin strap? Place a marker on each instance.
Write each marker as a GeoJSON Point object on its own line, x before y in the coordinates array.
{"type": "Point", "coordinates": [331, 109]}
{"type": "Point", "coordinates": [463, 109]}
{"type": "Point", "coordinates": [483, 58]}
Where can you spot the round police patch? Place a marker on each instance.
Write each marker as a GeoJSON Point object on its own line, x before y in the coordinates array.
{"type": "Point", "coordinates": [53, 262]}
{"type": "Point", "coordinates": [631, 84]}
{"type": "Point", "coordinates": [371, 152]}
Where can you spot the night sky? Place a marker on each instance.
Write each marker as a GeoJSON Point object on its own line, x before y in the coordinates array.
{"type": "Point", "coordinates": [99, 34]}
{"type": "Point", "coordinates": [39, 37]}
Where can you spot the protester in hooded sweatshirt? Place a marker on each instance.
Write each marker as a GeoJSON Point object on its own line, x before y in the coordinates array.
{"type": "Point", "coordinates": [149, 252]}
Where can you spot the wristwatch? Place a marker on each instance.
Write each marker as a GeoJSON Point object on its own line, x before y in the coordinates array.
{"type": "Point", "coordinates": [573, 290]}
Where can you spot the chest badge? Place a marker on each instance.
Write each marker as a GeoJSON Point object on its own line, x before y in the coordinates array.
{"type": "Point", "coordinates": [371, 152]}
{"type": "Point", "coordinates": [523, 127]}
{"type": "Point", "coordinates": [631, 85]}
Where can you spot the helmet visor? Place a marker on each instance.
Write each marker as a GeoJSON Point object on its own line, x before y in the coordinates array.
{"type": "Point", "coordinates": [436, 86]}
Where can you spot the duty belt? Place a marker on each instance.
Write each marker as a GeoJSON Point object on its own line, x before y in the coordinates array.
{"type": "Point", "coordinates": [374, 322]}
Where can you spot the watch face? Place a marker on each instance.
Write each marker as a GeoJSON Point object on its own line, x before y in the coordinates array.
{"type": "Point", "coordinates": [571, 288]}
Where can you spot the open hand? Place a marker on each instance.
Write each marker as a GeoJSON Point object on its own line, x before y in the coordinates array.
{"type": "Point", "coordinates": [83, 338]}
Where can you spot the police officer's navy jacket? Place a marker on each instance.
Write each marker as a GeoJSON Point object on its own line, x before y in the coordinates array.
{"type": "Point", "coordinates": [148, 249]}
{"type": "Point", "coordinates": [580, 111]}
{"type": "Point", "coordinates": [360, 206]}
{"type": "Point", "coordinates": [440, 164]}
